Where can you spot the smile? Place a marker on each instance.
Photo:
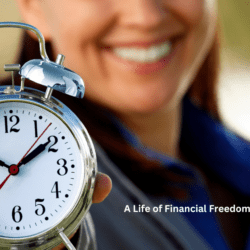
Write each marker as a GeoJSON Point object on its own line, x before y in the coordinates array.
{"type": "Point", "coordinates": [144, 55]}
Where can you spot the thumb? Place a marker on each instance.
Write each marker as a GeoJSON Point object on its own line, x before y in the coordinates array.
{"type": "Point", "coordinates": [103, 186]}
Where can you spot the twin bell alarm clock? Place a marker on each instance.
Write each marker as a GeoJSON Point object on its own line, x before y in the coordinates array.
{"type": "Point", "coordinates": [47, 159]}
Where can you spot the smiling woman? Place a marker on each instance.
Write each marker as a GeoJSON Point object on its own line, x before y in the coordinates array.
{"type": "Point", "coordinates": [150, 69]}
{"type": "Point", "coordinates": [134, 26]}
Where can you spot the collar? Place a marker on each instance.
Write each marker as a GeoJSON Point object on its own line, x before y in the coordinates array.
{"type": "Point", "coordinates": [208, 142]}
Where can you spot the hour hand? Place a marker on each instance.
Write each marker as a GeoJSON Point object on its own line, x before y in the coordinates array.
{"type": "Point", "coordinates": [3, 164]}
{"type": "Point", "coordinates": [34, 153]}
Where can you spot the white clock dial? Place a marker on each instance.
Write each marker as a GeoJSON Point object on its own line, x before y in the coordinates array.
{"type": "Point", "coordinates": [48, 184]}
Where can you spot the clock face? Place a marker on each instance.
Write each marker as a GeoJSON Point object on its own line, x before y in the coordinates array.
{"type": "Point", "coordinates": [50, 176]}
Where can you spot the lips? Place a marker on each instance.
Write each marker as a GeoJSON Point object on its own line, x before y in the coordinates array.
{"type": "Point", "coordinates": [142, 57]}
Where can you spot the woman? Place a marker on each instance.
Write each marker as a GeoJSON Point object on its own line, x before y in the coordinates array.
{"type": "Point", "coordinates": [150, 70]}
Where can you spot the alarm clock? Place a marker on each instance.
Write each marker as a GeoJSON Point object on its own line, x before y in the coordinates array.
{"type": "Point", "coordinates": [47, 159]}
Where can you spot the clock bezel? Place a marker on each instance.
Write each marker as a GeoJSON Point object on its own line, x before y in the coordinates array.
{"type": "Point", "coordinates": [71, 221]}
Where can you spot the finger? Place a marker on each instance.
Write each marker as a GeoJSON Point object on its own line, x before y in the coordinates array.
{"type": "Point", "coordinates": [103, 187]}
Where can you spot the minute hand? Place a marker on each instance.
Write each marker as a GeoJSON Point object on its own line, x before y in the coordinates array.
{"type": "Point", "coordinates": [34, 153]}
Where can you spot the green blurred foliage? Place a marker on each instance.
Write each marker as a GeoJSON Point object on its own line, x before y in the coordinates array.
{"type": "Point", "coordinates": [235, 24]}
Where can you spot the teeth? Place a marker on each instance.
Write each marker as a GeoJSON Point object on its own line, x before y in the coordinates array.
{"type": "Point", "coordinates": [149, 55]}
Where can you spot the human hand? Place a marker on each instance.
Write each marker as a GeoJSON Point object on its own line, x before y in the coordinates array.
{"type": "Point", "coordinates": [103, 187]}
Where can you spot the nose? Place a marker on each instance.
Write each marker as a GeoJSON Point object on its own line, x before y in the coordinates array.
{"type": "Point", "coordinates": [143, 14]}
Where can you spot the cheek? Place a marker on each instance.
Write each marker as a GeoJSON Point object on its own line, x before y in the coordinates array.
{"type": "Point", "coordinates": [189, 12]}
{"type": "Point", "coordinates": [78, 23]}
{"type": "Point", "coordinates": [199, 17]}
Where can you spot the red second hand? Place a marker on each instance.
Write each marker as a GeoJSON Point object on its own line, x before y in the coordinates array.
{"type": "Point", "coordinates": [2, 184]}
{"type": "Point", "coordinates": [5, 181]}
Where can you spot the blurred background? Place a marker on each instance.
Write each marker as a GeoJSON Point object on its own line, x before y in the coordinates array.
{"type": "Point", "coordinates": [234, 84]}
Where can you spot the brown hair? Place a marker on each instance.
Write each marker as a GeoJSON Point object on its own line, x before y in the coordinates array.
{"type": "Point", "coordinates": [203, 90]}
{"type": "Point", "coordinates": [101, 128]}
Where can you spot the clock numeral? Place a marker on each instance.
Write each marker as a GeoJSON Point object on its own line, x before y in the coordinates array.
{"type": "Point", "coordinates": [35, 124]}
{"type": "Point", "coordinates": [13, 118]}
{"type": "Point", "coordinates": [55, 189]}
{"type": "Point", "coordinates": [55, 142]}
{"type": "Point", "coordinates": [16, 214]}
{"type": "Point", "coordinates": [42, 208]}
{"type": "Point", "coordinates": [60, 171]}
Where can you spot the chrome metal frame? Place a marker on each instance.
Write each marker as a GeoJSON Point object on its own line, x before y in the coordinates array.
{"type": "Point", "coordinates": [71, 221]}
{"type": "Point", "coordinates": [34, 30]}
{"type": "Point", "coordinates": [45, 72]}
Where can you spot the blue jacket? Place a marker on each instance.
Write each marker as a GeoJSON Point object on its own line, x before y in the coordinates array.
{"type": "Point", "coordinates": [122, 220]}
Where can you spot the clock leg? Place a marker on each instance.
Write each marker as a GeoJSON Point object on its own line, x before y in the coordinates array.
{"type": "Point", "coordinates": [66, 241]}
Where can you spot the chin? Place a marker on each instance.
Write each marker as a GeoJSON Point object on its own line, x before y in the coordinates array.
{"type": "Point", "coordinates": [154, 102]}
{"type": "Point", "coordinates": [146, 106]}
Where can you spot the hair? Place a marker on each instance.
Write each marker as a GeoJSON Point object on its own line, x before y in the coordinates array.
{"type": "Point", "coordinates": [108, 136]}
{"type": "Point", "coordinates": [203, 90]}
